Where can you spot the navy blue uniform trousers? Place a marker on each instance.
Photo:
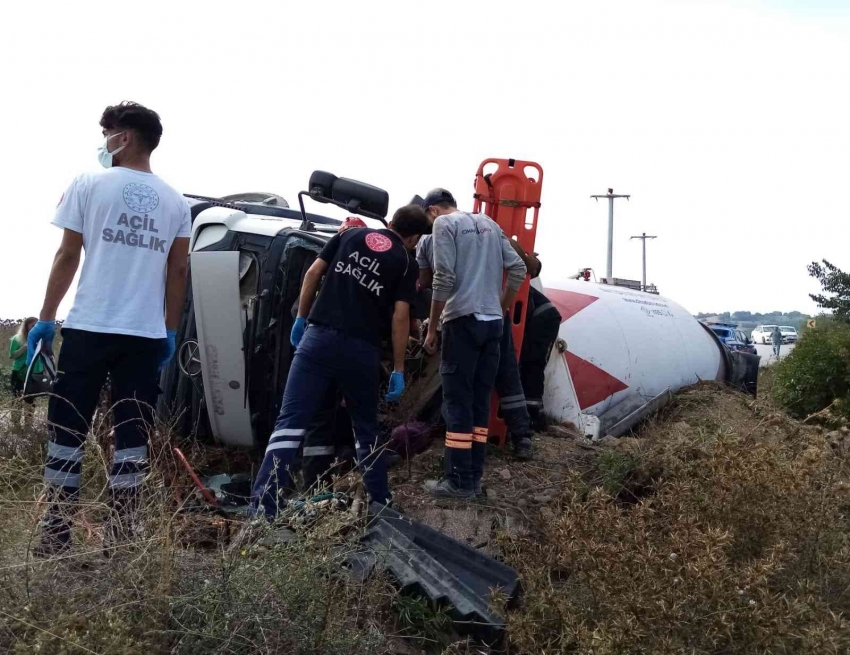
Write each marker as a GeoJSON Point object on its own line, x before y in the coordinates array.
{"type": "Point", "coordinates": [509, 388]}
{"type": "Point", "coordinates": [543, 321]}
{"type": "Point", "coordinates": [470, 362]}
{"type": "Point", "coordinates": [329, 438]}
{"type": "Point", "coordinates": [325, 356]}
{"type": "Point", "coordinates": [85, 361]}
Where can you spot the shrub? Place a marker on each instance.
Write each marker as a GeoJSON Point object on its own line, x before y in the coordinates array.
{"type": "Point", "coordinates": [743, 547]}
{"type": "Point", "coordinates": [817, 372]}
{"type": "Point", "coordinates": [614, 467]}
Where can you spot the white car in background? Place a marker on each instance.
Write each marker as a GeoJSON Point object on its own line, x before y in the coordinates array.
{"type": "Point", "coordinates": [789, 334]}
{"type": "Point", "coordinates": [762, 334]}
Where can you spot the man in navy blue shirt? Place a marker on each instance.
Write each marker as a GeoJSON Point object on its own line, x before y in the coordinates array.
{"type": "Point", "coordinates": [369, 283]}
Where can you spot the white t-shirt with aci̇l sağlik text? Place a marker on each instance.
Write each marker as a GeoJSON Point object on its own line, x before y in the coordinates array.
{"type": "Point", "coordinates": [128, 220]}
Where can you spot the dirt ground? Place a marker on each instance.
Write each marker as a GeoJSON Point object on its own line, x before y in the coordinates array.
{"type": "Point", "coordinates": [517, 494]}
{"type": "Point", "coordinates": [522, 495]}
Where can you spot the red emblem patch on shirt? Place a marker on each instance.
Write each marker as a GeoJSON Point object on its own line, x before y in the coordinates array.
{"type": "Point", "coordinates": [378, 242]}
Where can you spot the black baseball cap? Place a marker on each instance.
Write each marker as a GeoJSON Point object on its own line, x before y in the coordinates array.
{"type": "Point", "coordinates": [435, 197]}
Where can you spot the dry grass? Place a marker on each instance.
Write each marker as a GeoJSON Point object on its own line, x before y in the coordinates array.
{"type": "Point", "coordinates": [721, 527]}
{"type": "Point", "coordinates": [736, 543]}
{"type": "Point", "coordinates": [167, 593]}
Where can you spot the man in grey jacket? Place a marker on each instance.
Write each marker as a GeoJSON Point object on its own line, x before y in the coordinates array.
{"type": "Point", "coordinates": [471, 254]}
{"type": "Point", "coordinates": [776, 338]}
{"type": "Point", "coordinates": [514, 407]}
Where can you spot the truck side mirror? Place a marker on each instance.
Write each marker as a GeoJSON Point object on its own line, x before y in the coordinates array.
{"type": "Point", "coordinates": [361, 198]}
{"type": "Point", "coordinates": [321, 186]}
{"type": "Point", "coordinates": [351, 195]}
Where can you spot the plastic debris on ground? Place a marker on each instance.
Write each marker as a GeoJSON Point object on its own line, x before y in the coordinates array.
{"type": "Point", "coordinates": [428, 563]}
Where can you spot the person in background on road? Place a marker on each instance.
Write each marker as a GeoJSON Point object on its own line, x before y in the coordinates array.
{"type": "Point", "coordinates": [471, 254]}
{"type": "Point", "coordinates": [18, 355]}
{"type": "Point", "coordinates": [776, 338]}
{"type": "Point", "coordinates": [508, 385]}
{"type": "Point", "coordinates": [135, 230]}
{"type": "Point", "coordinates": [368, 285]}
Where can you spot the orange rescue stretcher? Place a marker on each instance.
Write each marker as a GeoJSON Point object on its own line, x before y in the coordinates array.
{"type": "Point", "coordinates": [508, 191]}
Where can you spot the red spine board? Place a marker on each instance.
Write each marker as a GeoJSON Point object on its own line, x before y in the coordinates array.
{"type": "Point", "coordinates": [508, 191]}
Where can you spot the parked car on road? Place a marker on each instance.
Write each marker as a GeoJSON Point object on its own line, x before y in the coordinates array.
{"type": "Point", "coordinates": [748, 345]}
{"type": "Point", "coordinates": [789, 334]}
{"type": "Point", "coordinates": [732, 337]}
{"type": "Point", "coordinates": [762, 334]}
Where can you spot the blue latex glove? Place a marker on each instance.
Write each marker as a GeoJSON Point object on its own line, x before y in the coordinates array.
{"type": "Point", "coordinates": [43, 331]}
{"type": "Point", "coordinates": [396, 386]}
{"type": "Point", "coordinates": [169, 345]}
{"type": "Point", "coordinates": [297, 331]}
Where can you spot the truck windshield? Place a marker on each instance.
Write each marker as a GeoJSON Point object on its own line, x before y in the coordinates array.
{"type": "Point", "coordinates": [721, 332]}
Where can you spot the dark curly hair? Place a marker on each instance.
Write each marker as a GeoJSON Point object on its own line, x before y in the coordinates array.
{"type": "Point", "coordinates": [138, 118]}
{"type": "Point", "coordinates": [410, 220]}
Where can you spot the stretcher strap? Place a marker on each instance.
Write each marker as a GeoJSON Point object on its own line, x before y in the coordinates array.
{"type": "Point", "coordinates": [490, 200]}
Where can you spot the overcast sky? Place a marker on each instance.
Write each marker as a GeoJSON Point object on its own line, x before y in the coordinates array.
{"type": "Point", "coordinates": [726, 122]}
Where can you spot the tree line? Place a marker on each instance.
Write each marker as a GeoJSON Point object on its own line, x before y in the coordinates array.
{"type": "Point", "coordinates": [835, 299]}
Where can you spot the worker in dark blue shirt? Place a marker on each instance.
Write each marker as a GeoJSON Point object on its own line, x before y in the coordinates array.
{"type": "Point", "coordinates": [369, 282]}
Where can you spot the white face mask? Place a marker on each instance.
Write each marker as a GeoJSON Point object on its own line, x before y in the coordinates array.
{"type": "Point", "coordinates": [103, 154]}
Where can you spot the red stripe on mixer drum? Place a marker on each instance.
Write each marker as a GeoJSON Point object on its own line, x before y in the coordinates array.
{"type": "Point", "coordinates": [592, 385]}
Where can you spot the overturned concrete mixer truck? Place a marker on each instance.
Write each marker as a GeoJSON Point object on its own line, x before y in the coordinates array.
{"type": "Point", "coordinates": [619, 355]}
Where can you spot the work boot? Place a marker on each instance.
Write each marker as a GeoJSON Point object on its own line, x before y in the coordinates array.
{"type": "Point", "coordinates": [445, 488]}
{"type": "Point", "coordinates": [55, 525]}
{"type": "Point", "coordinates": [55, 537]}
{"type": "Point", "coordinates": [523, 449]}
{"type": "Point", "coordinates": [458, 468]}
{"type": "Point", "coordinates": [537, 420]}
{"type": "Point", "coordinates": [479, 491]}
{"type": "Point", "coordinates": [122, 526]}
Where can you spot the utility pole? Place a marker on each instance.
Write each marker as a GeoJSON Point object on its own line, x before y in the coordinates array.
{"type": "Point", "coordinates": [643, 238]}
{"type": "Point", "coordinates": [611, 196]}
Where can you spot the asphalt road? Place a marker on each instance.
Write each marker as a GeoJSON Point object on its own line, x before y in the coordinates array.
{"type": "Point", "coordinates": [766, 353]}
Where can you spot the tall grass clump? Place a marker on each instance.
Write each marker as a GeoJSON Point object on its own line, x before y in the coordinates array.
{"type": "Point", "coordinates": [817, 372]}
{"type": "Point", "coordinates": [743, 546]}
{"type": "Point", "coordinates": [186, 585]}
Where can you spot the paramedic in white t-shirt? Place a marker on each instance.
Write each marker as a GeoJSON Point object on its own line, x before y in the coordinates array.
{"type": "Point", "coordinates": [135, 230]}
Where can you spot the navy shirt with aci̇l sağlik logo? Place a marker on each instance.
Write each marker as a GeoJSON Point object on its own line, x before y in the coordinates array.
{"type": "Point", "coordinates": [368, 272]}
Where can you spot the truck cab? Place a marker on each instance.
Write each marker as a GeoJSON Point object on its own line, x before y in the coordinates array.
{"type": "Point", "coordinates": [248, 256]}
{"type": "Point", "coordinates": [245, 270]}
